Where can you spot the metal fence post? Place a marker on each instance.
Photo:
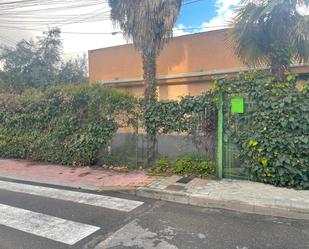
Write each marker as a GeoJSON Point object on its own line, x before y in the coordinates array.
{"type": "Point", "coordinates": [220, 137]}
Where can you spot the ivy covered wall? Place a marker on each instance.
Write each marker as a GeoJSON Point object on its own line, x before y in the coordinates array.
{"type": "Point", "coordinates": [65, 124]}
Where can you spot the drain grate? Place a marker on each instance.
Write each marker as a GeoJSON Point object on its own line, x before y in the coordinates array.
{"type": "Point", "coordinates": [186, 179]}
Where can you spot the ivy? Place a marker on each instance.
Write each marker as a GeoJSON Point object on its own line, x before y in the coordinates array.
{"type": "Point", "coordinates": [66, 124]}
{"type": "Point", "coordinates": [195, 116]}
{"type": "Point", "coordinates": [168, 116]}
{"type": "Point", "coordinates": [273, 133]}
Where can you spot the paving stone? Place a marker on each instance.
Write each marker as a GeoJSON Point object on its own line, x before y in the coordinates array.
{"type": "Point", "coordinates": [175, 188]}
{"type": "Point", "coordinates": [244, 195]}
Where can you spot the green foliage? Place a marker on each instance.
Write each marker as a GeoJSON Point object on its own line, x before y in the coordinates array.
{"type": "Point", "coordinates": [273, 33]}
{"type": "Point", "coordinates": [189, 164]}
{"type": "Point", "coordinates": [168, 116]}
{"type": "Point", "coordinates": [65, 124]}
{"type": "Point", "coordinates": [273, 134]}
{"type": "Point", "coordinates": [194, 164]}
{"type": "Point", "coordinates": [195, 116]}
{"type": "Point", "coordinates": [73, 71]}
{"type": "Point", "coordinates": [38, 64]}
{"type": "Point", "coordinates": [281, 54]}
{"type": "Point", "coordinates": [163, 166]}
{"type": "Point", "coordinates": [149, 24]}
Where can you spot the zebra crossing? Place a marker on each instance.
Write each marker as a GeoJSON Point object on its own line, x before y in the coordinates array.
{"type": "Point", "coordinates": [66, 231]}
{"type": "Point", "coordinates": [83, 198]}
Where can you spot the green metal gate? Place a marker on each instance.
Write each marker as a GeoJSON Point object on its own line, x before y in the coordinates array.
{"type": "Point", "coordinates": [228, 152]}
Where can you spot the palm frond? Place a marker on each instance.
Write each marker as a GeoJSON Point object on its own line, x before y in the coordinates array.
{"type": "Point", "coordinates": [148, 23]}
{"type": "Point", "coordinates": [247, 35]}
{"type": "Point", "coordinates": [300, 40]}
{"type": "Point", "coordinates": [259, 26]}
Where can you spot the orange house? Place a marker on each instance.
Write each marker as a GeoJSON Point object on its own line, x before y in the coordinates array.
{"type": "Point", "coordinates": [186, 66]}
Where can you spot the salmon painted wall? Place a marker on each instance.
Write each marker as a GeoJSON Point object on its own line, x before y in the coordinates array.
{"type": "Point", "coordinates": [207, 52]}
{"type": "Point", "coordinates": [186, 54]}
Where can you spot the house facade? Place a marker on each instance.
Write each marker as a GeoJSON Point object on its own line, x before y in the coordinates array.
{"type": "Point", "coordinates": [186, 66]}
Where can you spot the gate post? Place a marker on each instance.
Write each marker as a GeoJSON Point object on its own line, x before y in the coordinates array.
{"type": "Point", "coordinates": [220, 137]}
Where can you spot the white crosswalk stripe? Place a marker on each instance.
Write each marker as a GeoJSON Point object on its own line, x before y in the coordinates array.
{"type": "Point", "coordinates": [64, 231]}
{"type": "Point", "coordinates": [54, 228]}
{"type": "Point", "coordinates": [109, 202]}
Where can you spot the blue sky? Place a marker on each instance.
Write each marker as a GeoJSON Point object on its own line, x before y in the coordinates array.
{"type": "Point", "coordinates": [196, 13]}
{"type": "Point", "coordinates": [206, 15]}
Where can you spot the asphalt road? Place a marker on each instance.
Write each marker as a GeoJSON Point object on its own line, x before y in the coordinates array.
{"type": "Point", "coordinates": [48, 217]}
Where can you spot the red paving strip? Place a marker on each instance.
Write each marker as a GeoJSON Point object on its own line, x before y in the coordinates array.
{"type": "Point", "coordinates": [67, 175]}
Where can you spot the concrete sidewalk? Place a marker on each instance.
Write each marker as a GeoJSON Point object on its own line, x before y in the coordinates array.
{"type": "Point", "coordinates": [244, 196]}
{"type": "Point", "coordinates": [85, 178]}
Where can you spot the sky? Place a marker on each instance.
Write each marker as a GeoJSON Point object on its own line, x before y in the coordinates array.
{"type": "Point", "coordinates": [197, 16]}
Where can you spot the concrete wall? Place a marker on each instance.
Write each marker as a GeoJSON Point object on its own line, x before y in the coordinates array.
{"type": "Point", "coordinates": [186, 66]}
{"type": "Point", "coordinates": [125, 149]}
{"type": "Point", "coordinates": [201, 52]}
{"type": "Point", "coordinates": [190, 54]}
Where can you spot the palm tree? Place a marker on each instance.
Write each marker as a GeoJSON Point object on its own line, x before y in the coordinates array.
{"type": "Point", "coordinates": [273, 33]}
{"type": "Point", "coordinates": [149, 24]}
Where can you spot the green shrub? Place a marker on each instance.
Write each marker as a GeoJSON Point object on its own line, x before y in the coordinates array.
{"type": "Point", "coordinates": [193, 164]}
{"type": "Point", "coordinates": [188, 164]}
{"type": "Point", "coordinates": [163, 166]}
{"type": "Point", "coordinates": [65, 124]}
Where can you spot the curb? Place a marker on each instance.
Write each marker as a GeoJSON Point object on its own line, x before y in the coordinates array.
{"type": "Point", "coordinates": [99, 189]}
{"type": "Point", "coordinates": [202, 201]}
{"type": "Point", "coordinates": [48, 182]}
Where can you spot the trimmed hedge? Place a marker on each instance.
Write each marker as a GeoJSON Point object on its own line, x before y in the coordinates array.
{"type": "Point", "coordinates": [67, 125]}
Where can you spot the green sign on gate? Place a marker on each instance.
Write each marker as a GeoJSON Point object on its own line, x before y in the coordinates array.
{"type": "Point", "coordinates": [229, 164]}
{"type": "Point", "coordinates": [237, 104]}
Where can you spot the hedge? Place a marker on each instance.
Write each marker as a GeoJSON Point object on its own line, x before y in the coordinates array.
{"type": "Point", "coordinates": [67, 125]}
{"type": "Point", "coordinates": [273, 134]}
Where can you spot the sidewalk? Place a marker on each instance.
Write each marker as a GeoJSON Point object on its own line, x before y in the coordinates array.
{"type": "Point", "coordinates": [85, 178]}
{"type": "Point", "coordinates": [244, 196]}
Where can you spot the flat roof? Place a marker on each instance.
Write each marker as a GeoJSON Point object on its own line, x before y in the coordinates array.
{"type": "Point", "coordinates": [174, 38]}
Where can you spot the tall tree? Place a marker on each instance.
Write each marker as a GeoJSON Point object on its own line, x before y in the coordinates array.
{"type": "Point", "coordinates": [149, 24]}
{"type": "Point", "coordinates": [74, 71]}
{"type": "Point", "coordinates": [49, 54]}
{"type": "Point", "coordinates": [273, 33]}
{"type": "Point", "coordinates": [39, 64]}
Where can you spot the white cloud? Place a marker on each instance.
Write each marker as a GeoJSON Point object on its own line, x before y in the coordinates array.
{"type": "Point", "coordinates": [225, 12]}
{"type": "Point", "coordinates": [303, 10]}
{"type": "Point", "coordinates": [180, 30]}
{"type": "Point", "coordinates": [77, 43]}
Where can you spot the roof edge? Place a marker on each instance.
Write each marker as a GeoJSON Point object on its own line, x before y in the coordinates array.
{"type": "Point", "coordinates": [174, 38]}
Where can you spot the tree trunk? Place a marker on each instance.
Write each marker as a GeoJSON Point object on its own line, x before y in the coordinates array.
{"type": "Point", "coordinates": [150, 81]}
{"type": "Point", "coordinates": [279, 71]}
{"type": "Point", "coordinates": [150, 95]}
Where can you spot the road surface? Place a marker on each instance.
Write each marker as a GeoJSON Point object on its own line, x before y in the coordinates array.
{"type": "Point", "coordinates": [34, 216]}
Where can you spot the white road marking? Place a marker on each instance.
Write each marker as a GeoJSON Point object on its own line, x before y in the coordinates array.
{"type": "Point", "coordinates": [64, 231]}
{"type": "Point", "coordinates": [109, 202]}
